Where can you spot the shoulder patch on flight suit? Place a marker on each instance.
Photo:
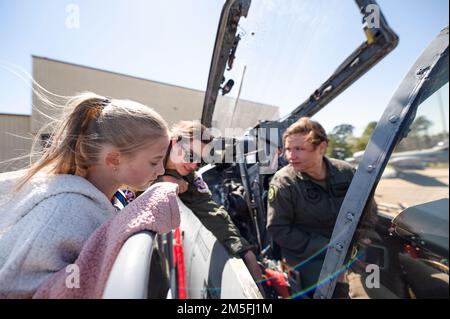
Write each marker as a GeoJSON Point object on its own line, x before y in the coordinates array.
{"type": "Point", "coordinates": [272, 193]}
{"type": "Point", "coordinates": [202, 187]}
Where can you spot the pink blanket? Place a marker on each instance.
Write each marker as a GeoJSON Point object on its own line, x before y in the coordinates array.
{"type": "Point", "coordinates": [155, 210]}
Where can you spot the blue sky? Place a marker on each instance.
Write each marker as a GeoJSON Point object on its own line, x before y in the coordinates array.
{"type": "Point", "coordinates": [289, 47]}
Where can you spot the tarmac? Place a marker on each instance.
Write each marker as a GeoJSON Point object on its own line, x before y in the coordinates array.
{"type": "Point", "coordinates": [399, 189]}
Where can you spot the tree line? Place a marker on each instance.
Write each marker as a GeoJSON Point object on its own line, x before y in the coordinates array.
{"type": "Point", "coordinates": [343, 144]}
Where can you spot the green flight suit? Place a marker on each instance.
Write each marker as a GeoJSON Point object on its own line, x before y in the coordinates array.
{"type": "Point", "coordinates": [302, 214]}
{"type": "Point", "coordinates": [216, 219]}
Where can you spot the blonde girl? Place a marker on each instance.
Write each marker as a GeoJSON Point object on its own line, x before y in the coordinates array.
{"type": "Point", "coordinates": [52, 207]}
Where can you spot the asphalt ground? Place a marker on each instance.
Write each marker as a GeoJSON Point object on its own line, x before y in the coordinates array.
{"type": "Point", "coordinates": [403, 188]}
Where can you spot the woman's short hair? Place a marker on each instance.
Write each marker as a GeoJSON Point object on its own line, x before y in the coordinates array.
{"type": "Point", "coordinates": [191, 130]}
{"type": "Point", "coordinates": [315, 133]}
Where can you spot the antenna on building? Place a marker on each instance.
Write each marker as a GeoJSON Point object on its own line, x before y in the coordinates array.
{"type": "Point", "coordinates": [238, 96]}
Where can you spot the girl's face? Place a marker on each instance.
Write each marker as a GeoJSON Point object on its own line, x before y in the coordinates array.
{"type": "Point", "coordinates": [141, 169]}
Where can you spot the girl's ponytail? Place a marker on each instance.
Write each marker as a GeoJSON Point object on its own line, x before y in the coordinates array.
{"type": "Point", "coordinates": [67, 150]}
{"type": "Point", "coordinates": [80, 124]}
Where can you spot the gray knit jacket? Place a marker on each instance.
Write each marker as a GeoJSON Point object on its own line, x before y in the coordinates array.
{"type": "Point", "coordinates": [43, 228]}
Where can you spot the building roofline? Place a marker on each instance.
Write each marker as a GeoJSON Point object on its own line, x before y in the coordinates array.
{"type": "Point", "coordinates": [14, 114]}
{"type": "Point", "coordinates": [113, 72]}
{"type": "Point", "coordinates": [139, 78]}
